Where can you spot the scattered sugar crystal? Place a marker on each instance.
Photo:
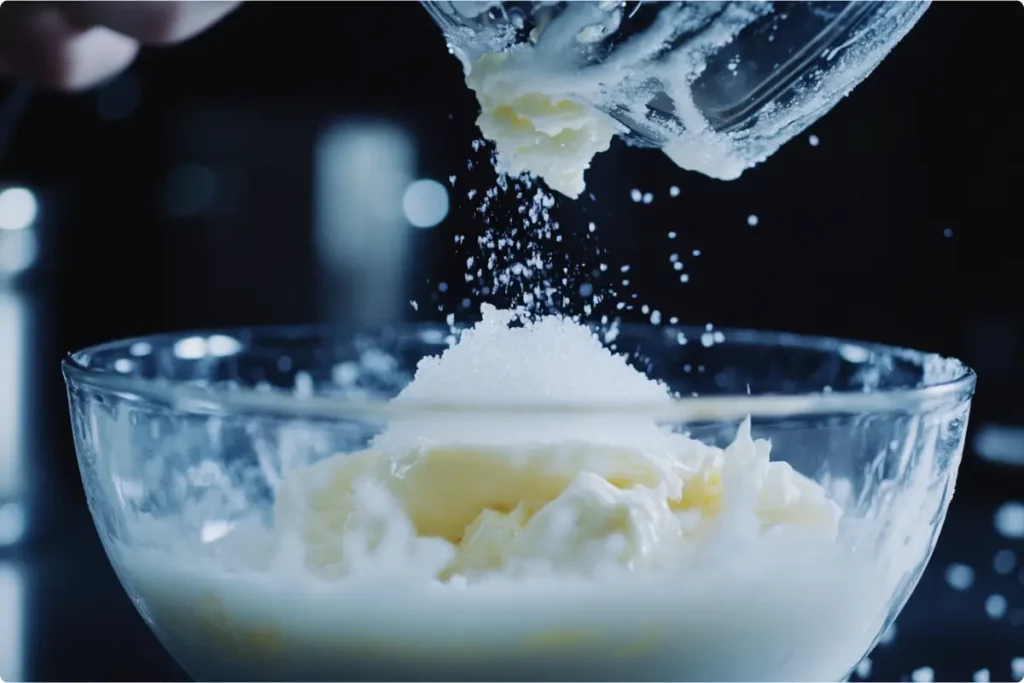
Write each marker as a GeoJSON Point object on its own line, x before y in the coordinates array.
{"type": "Point", "coordinates": [959, 576]}
{"type": "Point", "coordinates": [1017, 668]}
{"type": "Point", "coordinates": [648, 198]}
{"type": "Point", "coordinates": [1009, 520]}
{"type": "Point", "coordinates": [813, 140]}
{"type": "Point", "coordinates": [415, 306]}
{"type": "Point", "coordinates": [442, 286]}
{"type": "Point", "coordinates": [611, 334]}
{"type": "Point", "coordinates": [947, 233]}
{"type": "Point", "coordinates": [752, 220]}
{"type": "Point", "coordinates": [451, 179]}
{"type": "Point", "coordinates": [624, 269]}
{"type": "Point", "coordinates": [655, 317]}
{"type": "Point", "coordinates": [591, 227]}
{"type": "Point", "coordinates": [673, 257]}
{"type": "Point", "coordinates": [450, 319]}
{"type": "Point", "coordinates": [684, 278]}
{"type": "Point", "coordinates": [672, 235]}
{"type": "Point", "coordinates": [1004, 562]}
{"type": "Point", "coordinates": [923, 675]}
{"type": "Point", "coordinates": [673, 191]}
{"type": "Point", "coordinates": [636, 195]}
{"type": "Point", "coordinates": [678, 265]}
{"type": "Point", "coordinates": [864, 667]}
{"type": "Point", "coordinates": [981, 676]}
{"type": "Point", "coordinates": [995, 606]}
{"type": "Point", "coordinates": [696, 252]}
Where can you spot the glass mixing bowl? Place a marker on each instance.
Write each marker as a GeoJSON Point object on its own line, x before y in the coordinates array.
{"type": "Point", "coordinates": [183, 440]}
{"type": "Point", "coordinates": [719, 86]}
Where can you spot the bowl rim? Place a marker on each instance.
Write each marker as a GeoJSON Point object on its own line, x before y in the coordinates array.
{"type": "Point", "coordinates": [215, 400]}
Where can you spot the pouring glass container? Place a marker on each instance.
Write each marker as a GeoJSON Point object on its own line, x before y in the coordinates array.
{"type": "Point", "coordinates": [719, 86]}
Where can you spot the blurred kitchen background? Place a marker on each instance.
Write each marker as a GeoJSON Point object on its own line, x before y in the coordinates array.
{"type": "Point", "coordinates": [293, 165]}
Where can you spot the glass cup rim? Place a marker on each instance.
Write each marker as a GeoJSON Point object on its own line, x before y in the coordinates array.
{"type": "Point", "coordinates": [213, 400]}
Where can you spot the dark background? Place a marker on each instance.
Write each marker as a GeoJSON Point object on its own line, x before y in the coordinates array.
{"type": "Point", "coordinates": [182, 195]}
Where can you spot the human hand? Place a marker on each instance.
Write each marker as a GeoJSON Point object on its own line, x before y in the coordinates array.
{"type": "Point", "coordinates": [73, 46]}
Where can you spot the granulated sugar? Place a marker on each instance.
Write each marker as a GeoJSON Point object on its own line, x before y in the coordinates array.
{"type": "Point", "coordinates": [549, 360]}
{"type": "Point", "coordinates": [523, 258]}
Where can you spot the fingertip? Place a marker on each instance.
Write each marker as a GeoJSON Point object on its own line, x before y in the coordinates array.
{"type": "Point", "coordinates": [42, 47]}
{"type": "Point", "coordinates": [86, 60]}
{"type": "Point", "coordinates": [161, 22]}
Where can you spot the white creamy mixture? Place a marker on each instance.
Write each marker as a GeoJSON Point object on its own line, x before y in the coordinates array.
{"type": "Point", "coordinates": [523, 546]}
{"type": "Point", "coordinates": [550, 134]}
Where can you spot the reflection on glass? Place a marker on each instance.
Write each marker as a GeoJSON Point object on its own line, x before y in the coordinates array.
{"type": "Point", "coordinates": [360, 231]}
{"type": "Point", "coordinates": [12, 330]}
{"type": "Point", "coordinates": [12, 592]}
{"type": "Point", "coordinates": [18, 209]}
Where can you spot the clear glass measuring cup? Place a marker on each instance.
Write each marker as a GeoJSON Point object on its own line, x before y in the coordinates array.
{"type": "Point", "coordinates": [719, 86]}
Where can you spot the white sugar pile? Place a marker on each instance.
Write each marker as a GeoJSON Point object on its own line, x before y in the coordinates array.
{"type": "Point", "coordinates": [511, 358]}
{"type": "Point", "coordinates": [537, 365]}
